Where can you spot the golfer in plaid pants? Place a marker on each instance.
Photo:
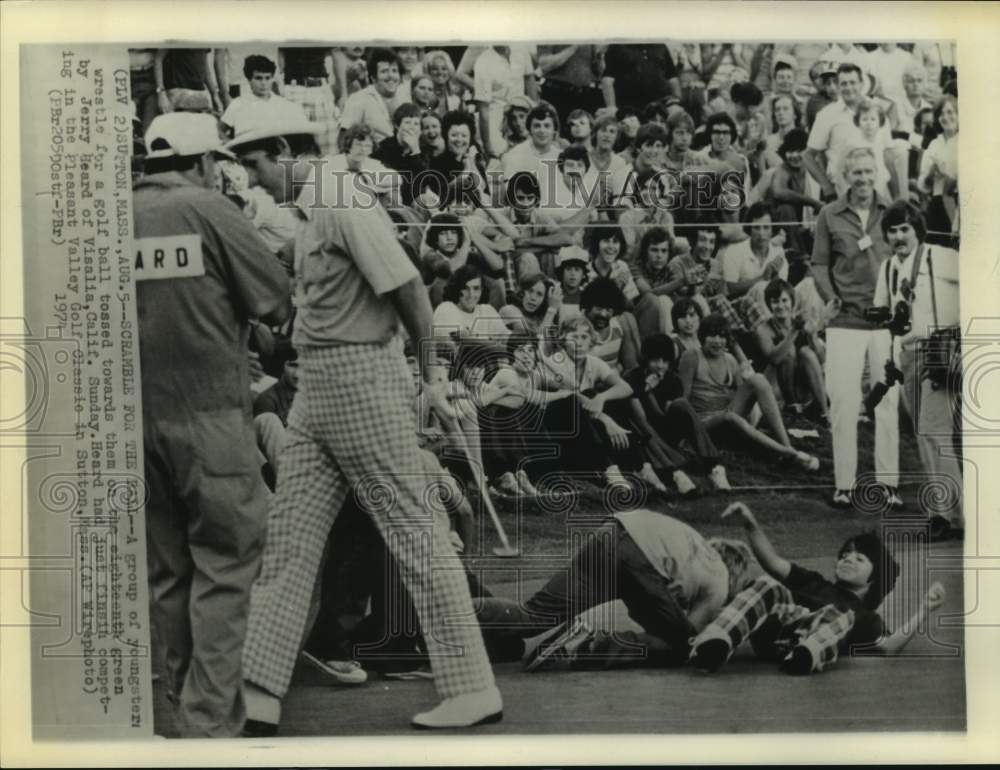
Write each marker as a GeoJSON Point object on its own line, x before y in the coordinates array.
{"type": "Point", "coordinates": [768, 614]}
{"type": "Point", "coordinates": [352, 427]}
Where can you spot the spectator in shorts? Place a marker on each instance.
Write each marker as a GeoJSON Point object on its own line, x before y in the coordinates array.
{"type": "Point", "coordinates": [655, 282]}
{"type": "Point", "coordinates": [664, 418]}
{"type": "Point", "coordinates": [187, 80]}
{"type": "Point", "coordinates": [570, 73]}
{"type": "Point", "coordinates": [535, 307]}
{"type": "Point", "coordinates": [723, 395]}
{"type": "Point", "coordinates": [801, 620]}
{"type": "Point", "coordinates": [499, 75]}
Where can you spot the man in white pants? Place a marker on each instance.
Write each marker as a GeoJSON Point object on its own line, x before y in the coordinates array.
{"type": "Point", "coordinates": [848, 252]}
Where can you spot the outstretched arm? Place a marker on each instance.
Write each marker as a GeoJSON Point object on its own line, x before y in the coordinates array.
{"type": "Point", "coordinates": [777, 566]}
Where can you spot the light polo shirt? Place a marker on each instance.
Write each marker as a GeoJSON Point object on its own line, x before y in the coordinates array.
{"type": "Point", "coordinates": [698, 577]}
{"type": "Point", "coordinates": [739, 263]}
{"type": "Point", "coordinates": [834, 133]}
{"type": "Point", "coordinates": [214, 273]}
{"type": "Point", "coordinates": [482, 323]}
{"type": "Point", "coordinates": [525, 157]}
{"type": "Point", "coordinates": [368, 107]}
{"type": "Point", "coordinates": [347, 261]}
{"type": "Point", "coordinates": [853, 271]}
{"type": "Point", "coordinates": [497, 81]}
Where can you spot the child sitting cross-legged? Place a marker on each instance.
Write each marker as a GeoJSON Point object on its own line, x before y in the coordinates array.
{"type": "Point", "coordinates": [802, 620]}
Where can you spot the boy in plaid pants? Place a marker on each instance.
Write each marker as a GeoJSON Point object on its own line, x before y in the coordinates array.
{"type": "Point", "coordinates": [800, 619]}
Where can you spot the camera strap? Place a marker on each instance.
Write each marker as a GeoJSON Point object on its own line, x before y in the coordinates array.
{"type": "Point", "coordinates": [930, 275]}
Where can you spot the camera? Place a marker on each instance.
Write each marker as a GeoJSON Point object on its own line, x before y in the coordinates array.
{"type": "Point", "coordinates": [893, 375]}
{"type": "Point", "coordinates": [896, 320]}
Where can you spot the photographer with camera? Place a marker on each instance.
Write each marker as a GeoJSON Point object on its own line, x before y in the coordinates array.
{"type": "Point", "coordinates": [916, 297]}
{"type": "Point", "coordinates": [848, 252]}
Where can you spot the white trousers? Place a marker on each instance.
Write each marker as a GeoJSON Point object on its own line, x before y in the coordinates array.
{"type": "Point", "coordinates": [845, 362]}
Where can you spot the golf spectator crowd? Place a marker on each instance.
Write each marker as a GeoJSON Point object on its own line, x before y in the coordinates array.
{"type": "Point", "coordinates": [653, 258]}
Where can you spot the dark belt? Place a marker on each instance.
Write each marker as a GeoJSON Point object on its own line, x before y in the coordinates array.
{"type": "Point", "coordinates": [561, 85]}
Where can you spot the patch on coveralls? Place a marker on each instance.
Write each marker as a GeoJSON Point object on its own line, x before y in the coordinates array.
{"type": "Point", "coordinates": [168, 256]}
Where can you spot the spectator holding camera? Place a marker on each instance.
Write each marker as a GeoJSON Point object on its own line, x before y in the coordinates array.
{"type": "Point", "coordinates": [925, 278]}
{"type": "Point", "coordinates": [849, 250]}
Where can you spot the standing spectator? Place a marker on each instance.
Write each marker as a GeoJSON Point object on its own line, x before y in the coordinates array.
{"type": "Point", "coordinates": [927, 395]}
{"type": "Point", "coordinates": [142, 84]}
{"type": "Point", "coordinates": [826, 92]}
{"type": "Point", "coordinates": [635, 75]}
{"type": "Point", "coordinates": [374, 105]}
{"type": "Point", "coordinates": [187, 80]}
{"type": "Point", "coordinates": [784, 118]}
{"type": "Point", "coordinates": [849, 250]}
{"type": "Point", "coordinates": [579, 127]}
{"type": "Point", "coordinates": [888, 63]}
{"type": "Point", "coordinates": [835, 131]}
{"type": "Point", "coordinates": [356, 286]}
{"type": "Point", "coordinates": [571, 72]}
{"type": "Point", "coordinates": [307, 82]}
{"type": "Point", "coordinates": [499, 75]}
{"type": "Point", "coordinates": [938, 57]}
{"type": "Point", "coordinates": [515, 120]}
{"type": "Point", "coordinates": [848, 53]}
{"type": "Point", "coordinates": [259, 72]}
{"type": "Point", "coordinates": [422, 92]}
{"type": "Point", "coordinates": [408, 58]}
{"type": "Point", "coordinates": [903, 113]}
{"type": "Point", "coordinates": [207, 508]}
{"type": "Point", "coordinates": [787, 192]}
{"type": "Point", "coordinates": [611, 168]}
{"type": "Point", "coordinates": [939, 172]}
{"type": "Point", "coordinates": [441, 69]}
{"type": "Point", "coordinates": [350, 73]}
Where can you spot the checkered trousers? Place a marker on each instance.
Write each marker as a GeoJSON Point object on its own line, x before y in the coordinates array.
{"type": "Point", "coordinates": [319, 106]}
{"type": "Point", "coordinates": [819, 631]}
{"type": "Point", "coordinates": [352, 427]}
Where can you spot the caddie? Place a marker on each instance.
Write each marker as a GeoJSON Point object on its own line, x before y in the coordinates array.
{"type": "Point", "coordinates": [202, 275]}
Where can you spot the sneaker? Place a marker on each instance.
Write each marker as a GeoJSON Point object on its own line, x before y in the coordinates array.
{"type": "Point", "coordinates": [507, 485]}
{"type": "Point", "coordinates": [615, 477]}
{"type": "Point", "coordinates": [719, 479]}
{"type": "Point", "coordinates": [684, 484]}
{"type": "Point", "coordinates": [842, 498]}
{"type": "Point", "coordinates": [527, 488]}
{"type": "Point", "coordinates": [342, 672]}
{"type": "Point", "coordinates": [562, 647]}
{"type": "Point", "coordinates": [647, 474]}
{"type": "Point", "coordinates": [465, 710]}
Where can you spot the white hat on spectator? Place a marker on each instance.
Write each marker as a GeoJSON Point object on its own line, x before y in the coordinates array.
{"type": "Point", "coordinates": [180, 134]}
{"type": "Point", "coordinates": [264, 125]}
{"type": "Point", "coordinates": [784, 58]}
{"type": "Point", "coordinates": [572, 254]}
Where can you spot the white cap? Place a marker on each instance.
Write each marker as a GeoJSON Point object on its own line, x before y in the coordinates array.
{"type": "Point", "coordinates": [264, 124]}
{"type": "Point", "coordinates": [572, 254]}
{"type": "Point", "coordinates": [183, 134]}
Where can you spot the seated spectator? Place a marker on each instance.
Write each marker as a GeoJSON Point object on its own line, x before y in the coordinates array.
{"type": "Point", "coordinates": [753, 144]}
{"type": "Point", "coordinates": [794, 355]}
{"type": "Point", "coordinates": [655, 282]}
{"type": "Point", "coordinates": [402, 152]}
{"type": "Point", "coordinates": [686, 315]}
{"type": "Point", "coordinates": [500, 73]}
{"type": "Point", "coordinates": [650, 144]}
{"type": "Point", "coordinates": [462, 164]}
{"type": "Point", "coordinates": [698, 265]}
{"type": "Point", "coordinates": [679, 157]}
{"type": "Point", "coordinates": [615, 334]}
{"type": "Point", "coordinates": [539, 154]}
{"type": "Point", "coordinates": [450, 243]}
{"type": "Point", "coordinates": [785, 117]}
{"type": "Point", "coordinates": [537, 234]}
{"type": "Point", "coordinates": [575, 418]}
{"type": "Point", "coordinates": [664, 418]}
{"type": "Point", "coordinates": [515, 120]}
{"type": "Point", "coordinates": [572, 266]}
{"type": "Point", "coordinates": [462, 318]}
{"type": "Point", "coordinates": [628, 127]}
{"type": "Point", "coordinates": [653, 201]}
{"type": "Point", "coordinates": [723, 396]}
{"type": "Point", "coordinates": [607, 247]}
{"type": "Point", "coordinates": [721, 131]}
{"type": "Point", "coordinates": [579, 127]}
{"type": "Point", "coordinates": [422, 90]}
{"type": "Point", "coordinates": [431, 136]}
{"type": "Point", "coordinates": [534, 310]}
{"type": "Point", "coordinates": [753, 261]}
{"type": "Point", "coordinates": [574, 196]}
{"type": "Point", "coordinates": [611, 168]}
{"type": "Point", "coordinates": [410, 68]}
